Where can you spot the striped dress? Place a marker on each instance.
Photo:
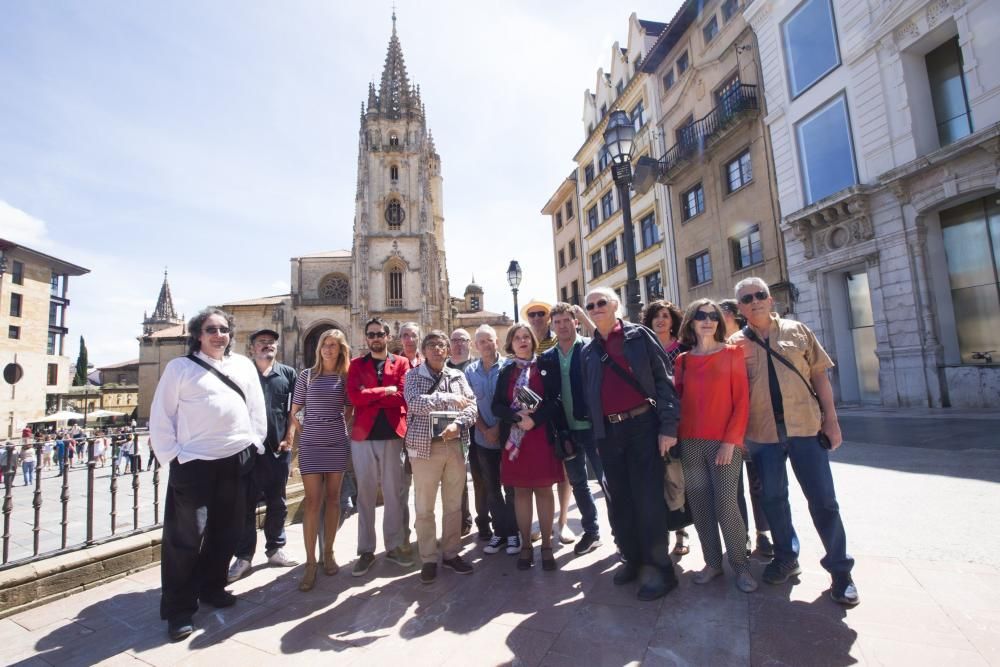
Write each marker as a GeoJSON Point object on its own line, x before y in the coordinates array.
{"type": "Point", "coordinates": [323, 444]}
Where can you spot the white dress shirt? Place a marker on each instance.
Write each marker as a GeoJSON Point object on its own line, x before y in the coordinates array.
{"type": "Point", "coordinates": [195, 415]}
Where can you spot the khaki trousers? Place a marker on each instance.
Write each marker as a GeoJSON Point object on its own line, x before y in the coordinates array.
{"type": "Point", "coordinates": [445, 468]}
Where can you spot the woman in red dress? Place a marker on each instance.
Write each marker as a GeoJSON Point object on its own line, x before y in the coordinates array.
{"type": "Point", "coordinates": [528, 462]}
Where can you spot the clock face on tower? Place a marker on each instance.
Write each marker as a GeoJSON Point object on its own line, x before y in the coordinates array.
{"type": "Point", "coordinates": [394, 214]}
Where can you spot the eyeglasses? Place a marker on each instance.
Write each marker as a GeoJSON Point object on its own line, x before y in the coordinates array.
{"type": "Point", "coordinates": [437, 346]}
{"type": "Point", "coordinates": [701, 316]}
{"type": "Point", "coordinates": [374, 334]}
{"type": "Point", "coordinates": [216, 330]}
{"type": "Point", "coordinates": [600, 303]}
{"type": "Point", "coordinates": [747, 299]}
{"type": "Point", "coordinates": [537, 313]}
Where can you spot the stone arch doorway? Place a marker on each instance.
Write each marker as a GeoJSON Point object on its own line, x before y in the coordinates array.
{"type": "Point", "coordinates": [310, 341]}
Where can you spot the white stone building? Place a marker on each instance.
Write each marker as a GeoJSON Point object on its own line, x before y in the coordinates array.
{"type": "Point", "coordinates": [885, 126]}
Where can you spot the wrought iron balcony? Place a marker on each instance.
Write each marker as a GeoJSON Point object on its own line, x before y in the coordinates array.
{"type": "Point", "coordinates": [696, 138]}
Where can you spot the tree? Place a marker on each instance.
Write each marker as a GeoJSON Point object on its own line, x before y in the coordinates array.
{"type": "Point", "coordinates": [80, 379]}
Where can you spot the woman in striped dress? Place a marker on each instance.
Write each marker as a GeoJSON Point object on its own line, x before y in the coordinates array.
{"type": "Point", "coordinates": [324, 447]}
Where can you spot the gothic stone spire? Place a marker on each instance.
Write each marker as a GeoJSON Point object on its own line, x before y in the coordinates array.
{"type": "Point", "coordinates": [164, 311]}
{"type": "Point", "coordinates": [394, 96]}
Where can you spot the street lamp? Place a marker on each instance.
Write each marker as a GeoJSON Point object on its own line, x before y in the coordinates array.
{"type": "Point", "coordinates": [514, 278]}
{"type": "Point", "coordinates": [618, 136]}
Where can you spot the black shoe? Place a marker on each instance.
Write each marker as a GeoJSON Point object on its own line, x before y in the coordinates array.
{"type": "Point", "coordinates": [485, 534]}
{"type": "Point", "coordinates": [764, 546]}
{"type": "Point", "coordinates": [428, 573]}
{"type": "Point", "coordinates": [466, 528]}
{"type": "Point", "coordinates": [656, 589]}
{"type": "Point", "coordinates": [219, 599]}
{"type": "Point", "coordinates": [843, 591]}
{"type": "Point", "coordinates": [586, 544]}
{"type": "Point", "coordinates": [778, 572]}
{"type": "Point", "coordinates": [457, 564]}
{"type": "Point", "coordinates": [625, 574]}
{"type": "Point", "coordinates": [179, 629]}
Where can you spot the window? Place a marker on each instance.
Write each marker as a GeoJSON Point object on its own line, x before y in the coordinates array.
{"type": "Point", "coordinates": [13, 332]}
{"type": "Point", "coordinates": [558, 219]}
{"type": "Point", "coordinates": [810, 42]}
{"type": "Point", "coordinates": [723, 92]}
{"type": "Point", "coordinates": [394, 214]}
{"type": "Point", "coordinates": [564, 293]}
{"type": "Point", "coordinates": [17, 273]}
{"type": "Point", "coordinates": [654, 288]}
{"type": "Point", "coordinates": [569, 210]}
{"type": "Point", "coordinates": [52, 342]}
{"type": "Point", "coordinates": [15, 305]}
{"type": "Point", "coordinates": [650, 233]}
{"type": "Point", "coordinates": [693, 202]}
{"type": "Point", "coordinates": [335, 290]}
{"type": "Point", "coordinates": [611, 254]}
{"type": "Point", "coordinates": [55, 314]}
{"type": "Point", "coordinates": [682, 63]}
{"type": "Point", "coordinates": [588, 174]}
{"type": "Point", "coordinates": [668, 79]}
{"type": "Point", "coordinates": [575, 291]}
{"type": "Point", "coordinates": [608, 204]}
{"type": "Point", "coordinates": [826, 152]}
{"type": "Point", "coordinates": [686, 135]}
{"type": "Point", "coordinates": [55, 285]}
{"type": "Point", "coordinates": [637, 116]}
{"type": "Point", "coordinates": [394, 285]}
{"type": "Point", "coordinates": [52, 377]}
{"type": "Point", "coordinates": [393, 139]}
{"type": "Point", "coordinates": [596, 268]}
{"type": "Point", "coordinates": [393, 173]}
{"type": "Point", "coordinates": [700, 269]}
{"type": "Point", "coordinates": [711, 29]}
{"type": "Point", "coordinates": [946, 75]}
{"type": "Point", "coordinates": [971, 235]}
{"type": "Point", "coordinates": [729, 9]}
{"type": "Point", "coordinates": [739, 171]}
{"type": "Point", "coordinates": [562, 258]}
{"type": "Point", "coordinates": [747, 249]}
{"type": "Point", "coordinates": [603, 159]}
{"type": "Point", "coordinates": [572, 250]}
{"type": "Point", "coordinates": [620, 88]}
{"type": "Point", "coordinates": [592, 221]}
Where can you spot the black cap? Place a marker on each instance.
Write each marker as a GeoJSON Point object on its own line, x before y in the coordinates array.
{"type": "Point", "coordinates": [264, 331]}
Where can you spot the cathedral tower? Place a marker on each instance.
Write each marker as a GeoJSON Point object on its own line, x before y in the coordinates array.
{"type": "Point", "coordinates": [163, 315]}
{"type": "Point", "coordinates": [399, 259]}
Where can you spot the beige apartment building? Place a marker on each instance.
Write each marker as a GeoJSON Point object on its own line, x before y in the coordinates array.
{"type": "Point", "coordinates": [34, 297]}
{"type": "Point", "coordinates": [714, 153]}
{"type": "Point", "coordinates": [623, 86]}
{"type": "Point", "coordinates": [563, 208]}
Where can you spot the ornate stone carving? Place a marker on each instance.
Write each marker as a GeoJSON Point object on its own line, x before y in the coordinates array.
{"type": "Point", "coordinates": [906, 32]}
{"type": "Point", "coordinates": [935, 12]}
{"type": "Point", "coordinates": [830, 228]}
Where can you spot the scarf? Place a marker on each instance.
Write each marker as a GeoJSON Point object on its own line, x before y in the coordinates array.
{"type": "Point", "coordinates": [513, 445]}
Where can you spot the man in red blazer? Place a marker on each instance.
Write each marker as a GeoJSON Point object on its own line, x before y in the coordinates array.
{"type": "Point", "coordinates": [375, 386]}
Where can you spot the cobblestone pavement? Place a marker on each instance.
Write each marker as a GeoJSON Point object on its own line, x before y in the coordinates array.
{"type": "Point", "coordinates": [920, 518]}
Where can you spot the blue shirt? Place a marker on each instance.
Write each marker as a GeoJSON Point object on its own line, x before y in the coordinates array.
{"type": "Point", "coordinates": [484, 386]}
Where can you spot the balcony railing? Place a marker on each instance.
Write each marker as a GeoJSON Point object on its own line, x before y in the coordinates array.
{"type": "Point", "coordinates": [694, 139]}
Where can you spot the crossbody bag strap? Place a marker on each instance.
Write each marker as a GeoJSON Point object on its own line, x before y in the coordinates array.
{"type": "Point", "coordinates": [749, 333]}
{"type": "Point", "coordinates": [222, 376]}
{"type": "Point", "coordinates": [621, 372]}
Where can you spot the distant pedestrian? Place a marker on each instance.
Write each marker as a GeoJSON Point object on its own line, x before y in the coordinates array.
{"type": "Point", "coordinates": [28, 464]}
{"type": "Point", "coordinates": [47, 448]}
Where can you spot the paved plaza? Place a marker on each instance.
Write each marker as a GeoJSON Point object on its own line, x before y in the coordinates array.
{"type": "Point", "coordinates": [920, 497]}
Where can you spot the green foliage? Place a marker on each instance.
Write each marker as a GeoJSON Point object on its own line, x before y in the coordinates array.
{"type": "Point", "coordinates": [80, 379]}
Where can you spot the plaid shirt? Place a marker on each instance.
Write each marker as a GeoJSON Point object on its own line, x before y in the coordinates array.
{"type": "Point", "coordinates": [419, 405]}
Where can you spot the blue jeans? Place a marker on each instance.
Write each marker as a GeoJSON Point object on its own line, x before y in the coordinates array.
{"type": "Point", "coordinates": [576, 471]}
{"type": "Point", "coordinates": [811, 465]}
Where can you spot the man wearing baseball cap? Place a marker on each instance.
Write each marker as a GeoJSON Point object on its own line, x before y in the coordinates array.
{"type": "Point", "coordinates": [270, 471]}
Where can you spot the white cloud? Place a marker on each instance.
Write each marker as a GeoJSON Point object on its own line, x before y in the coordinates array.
{"type": "Point", "coordinates": [20, 227]}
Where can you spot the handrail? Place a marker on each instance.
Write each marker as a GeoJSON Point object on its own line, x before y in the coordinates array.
{"type": "Point", "coordinates": [693, 138]}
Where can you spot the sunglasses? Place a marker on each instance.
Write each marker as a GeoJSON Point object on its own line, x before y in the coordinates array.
{"type": "Point", "coordinates": [701, 316]}
{"type": "Point", "coordinates": [747, 299]}
{"type": "Point", "coordinates": [600, 303]}
{"type": "Point", "coordinates": [370, 335]}
{"type": "Point", "coordinates": [216, 330]}
{"type": "Point", "coordinates": [537, 313]}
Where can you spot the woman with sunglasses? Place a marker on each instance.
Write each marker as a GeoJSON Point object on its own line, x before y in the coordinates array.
{"type": "Point", "coordinates": [711, 379]}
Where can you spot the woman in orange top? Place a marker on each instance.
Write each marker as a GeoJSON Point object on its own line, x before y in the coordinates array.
{"type": "Point", "coordinates": [715, 400]}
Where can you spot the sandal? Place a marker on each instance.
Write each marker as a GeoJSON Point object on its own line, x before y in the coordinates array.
{"type": "Point", "coordinates": [309, 578]}
{"type": "Point", "coordinates": [330, 566]}
{"type": "Point", "coordinates": [548, 561]}
{"type": "Point", "coordinates": [527, 558]}
{"type": "Point", "coordinates": [681, 549]}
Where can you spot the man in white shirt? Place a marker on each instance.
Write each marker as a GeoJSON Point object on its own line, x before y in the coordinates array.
{"type": "Point", "coordinates": [207, 421]}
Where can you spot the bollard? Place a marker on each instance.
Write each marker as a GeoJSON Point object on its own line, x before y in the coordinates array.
{"type": "Point", "coordinates": [90, 491]}
{"type": "Point", "coordinates": [64, 499]}
{"type": "Point", "coordinates": [156, 490]}
{"type": "Point", "coordinates": [114, 493]}
{"type": "Point", "coordinates": [36, 500]}
{"type": "Point", "coordinates": [8, 496]}
{"type": "Point", "coordinates": [135, 485]}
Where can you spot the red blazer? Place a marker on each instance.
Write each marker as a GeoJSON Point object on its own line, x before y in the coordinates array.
{"type": "Point", "coordinates": [368, 395]}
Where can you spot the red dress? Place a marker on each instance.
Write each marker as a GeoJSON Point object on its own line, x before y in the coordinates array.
{"type": "Point", "coordinates": [536, 464]}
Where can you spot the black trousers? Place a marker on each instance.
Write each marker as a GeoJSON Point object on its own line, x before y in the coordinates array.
{"type": "Point", "coordinates": [633, 470]}
{"type": "Point", "coordinates": [478, 492]}
{"type": "Point", "coordinates": [268, 480]}
{"type": "Point", "coordinates": [202, 523]}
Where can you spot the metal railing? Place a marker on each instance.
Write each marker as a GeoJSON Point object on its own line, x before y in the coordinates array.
{"type": "Point", "coordinates": [695, 138]}
{"type": "Point", "coordinates": [41, 523]}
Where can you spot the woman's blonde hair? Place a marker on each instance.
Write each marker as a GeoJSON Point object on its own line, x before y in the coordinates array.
{"type": "Point", "coordinates": [343, 354]}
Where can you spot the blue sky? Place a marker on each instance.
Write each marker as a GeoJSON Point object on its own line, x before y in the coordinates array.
{"type": "Point", "coordinates": [220, 138]}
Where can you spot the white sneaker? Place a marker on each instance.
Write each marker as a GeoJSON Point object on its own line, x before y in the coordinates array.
{"type": "Point", "coordinates": [563, 536]}
{"type": "Point", "coordinates": [494, 545]}
{"type": "Point", "coordinates": [280, 559]}
{"type": "Point", "coordinates": [513, 545]}
{"type": "Point", "coordinates": [239, 568]}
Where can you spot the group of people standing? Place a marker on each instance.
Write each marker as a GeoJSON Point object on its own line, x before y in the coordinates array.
{"type": "Point", "coordinates": [690, 397]}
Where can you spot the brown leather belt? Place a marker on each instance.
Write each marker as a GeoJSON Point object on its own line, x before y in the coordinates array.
{"type": "Point", "coordinates": [628, 414]}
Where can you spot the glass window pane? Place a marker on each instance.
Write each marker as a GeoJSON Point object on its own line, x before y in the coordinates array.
{"type": "Point", "coordinates": [977, 320]}
{"type": "Point", "coordinates": [859, 299]}
{"type": "Point", "coordinates": [967, 246]}
{"type": "Point", "coordinates": [810, 40]}
{"type": "Point", "coordinates": [947, 83]}
{"type": "Point", "coordinates": [825, 151]}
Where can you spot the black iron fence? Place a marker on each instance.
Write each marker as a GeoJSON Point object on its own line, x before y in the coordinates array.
{"type": "Point", "coordinates": [694, 138]}
{"type": "Point", "coordinates": [118, 522]}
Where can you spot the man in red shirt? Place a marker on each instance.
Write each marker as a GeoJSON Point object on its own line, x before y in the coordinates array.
{"type": "Point", "coordinates": [375, 387]}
